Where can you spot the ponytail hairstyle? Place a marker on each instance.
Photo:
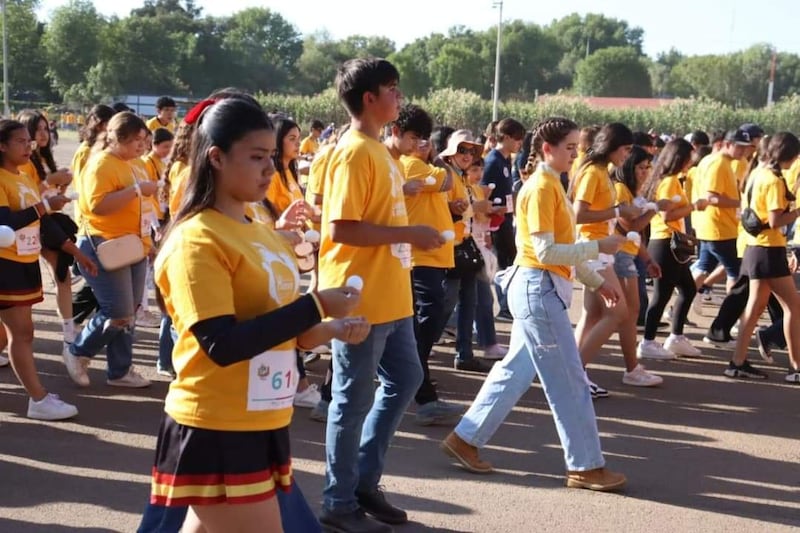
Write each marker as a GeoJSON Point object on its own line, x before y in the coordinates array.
{"type": "Point", "coordinates": [221, 125]}
{"type": "Point", "coordinates": [783, 148]}
{"type": "Point", "coordinates": [7, 128]}
{"type": "Point", "coordinates": [626, 173]}
{"type": "Point", "coordinates": [672, 160]}
{"type": "Point", "coordinates": [551, 130]}
{"type": "Point", "coordinates": [42, 155]}
{"type": "Point", "coordinates": [283, 125]}
{"type": "Point", "coordinates": [121, 128]}
{"type": "Point", "coordinates": [762, 154]}
{"type": "Point", "coordinates": [96, 123]}
{"type": "Point", "coordinates": [608, 139]}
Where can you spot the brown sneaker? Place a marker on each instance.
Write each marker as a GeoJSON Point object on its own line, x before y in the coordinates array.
{"type": "Point", "coordinates": [464, 453]}
{"type": "Point", "coordinates": [600, 479]}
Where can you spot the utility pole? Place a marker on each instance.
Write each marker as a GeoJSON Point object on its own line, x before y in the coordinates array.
{"type": "Point", "coordinates": [498, 4]}
{"type": "Point", "coordinates": [6, 107]}
{"type": "Point", "coordinates": [771, 87]}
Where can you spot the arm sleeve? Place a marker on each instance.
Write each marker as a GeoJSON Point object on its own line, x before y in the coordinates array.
{"type": "Point", "coordinates": [17, 219]}
{"type": "Point", "coordinates": [550, 253]}
{"type": "Point", "coordinates": [227, 341]}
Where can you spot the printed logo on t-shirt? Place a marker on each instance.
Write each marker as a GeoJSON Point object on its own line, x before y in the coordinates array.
{"type": "Point", "coordinates": [283, 276]}
{"type": "Point", "coordinates": [27, 196]}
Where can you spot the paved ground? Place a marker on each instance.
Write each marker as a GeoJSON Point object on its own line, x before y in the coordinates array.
{"type": "Point", "coordinates": [702, 453]}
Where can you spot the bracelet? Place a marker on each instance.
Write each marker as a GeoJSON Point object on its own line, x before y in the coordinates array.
{"type": "Point", "coordinates": [318, 303]}
{"type": "Point", "coordinates": [137, 189]}
{"type": "Point", "coordinates": [46, 205]}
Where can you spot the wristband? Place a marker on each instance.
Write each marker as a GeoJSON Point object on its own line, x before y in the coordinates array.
{"type": "Point", "coordinates": [318, 303]}
{"type": "Point", "coordinates": [46, 205]}
{"type": "Point", "coordinates": [137, 189]}
{"type": "Point", "coordinates": [616, 211]}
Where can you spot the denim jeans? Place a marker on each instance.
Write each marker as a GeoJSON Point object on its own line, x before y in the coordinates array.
{"type": "Point", "coordinates": [462, 291]}
{"type": "Point", "coordinates": [484, 314]}
{"type": "Point", "coordinates": [166, 342]}
{"type": "Point", "coordinates": [296, 515]}
{"type": "Point", "coordinates": [118, 294]}
{"type": "Point", "coordinates": [429, 302]}
{"type": "Point", "coordinates": [542, 343]}
{"type": "Point", "coordinates": [361, 419]}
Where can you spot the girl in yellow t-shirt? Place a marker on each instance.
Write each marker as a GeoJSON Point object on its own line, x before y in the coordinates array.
{"type": "Point", "coordinates": [111, 200]}
{"type": "Point", "coordinates": [232, 289]}
{"type": "Point", "coordinates": [628, 180]}
{"type": "Point", "coordinates": [542, 342]}
{"type": "Point", "coordinates": [596, 212]}
{"type": "Point", "coordinates": [284, 192]}
{"type": "Point", "coordinates": [664, 188]}
{"type": "Point", "coordinates": [25, 215]}
{"type": "Point", "coordinates": [765, 261]}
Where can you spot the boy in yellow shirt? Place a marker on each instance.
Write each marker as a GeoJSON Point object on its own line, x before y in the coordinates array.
{"type": "Point", "coordinates": [166, 109]}
{"type": "Point", "coordinates": [365, 233]}
{"type": "Point", "coordinates": [310, 145]}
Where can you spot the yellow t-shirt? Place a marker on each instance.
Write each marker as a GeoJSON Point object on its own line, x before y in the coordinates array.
{"type": "Point", "coordinates": [576, 165]}
{"type": "Point", "coordinates": [792, 174]}
{"type": "Point", "coordinates": [364, 184]}
{"type": "Point", "coordinates": [106, 173]}
{"type": "Point", "coordinates": [593, 186]}
{"type": "Point", "coordinates": [258, 212]}
{"type": "Point", "coordinates": [668, 187]}
{"type": "Point", "coordinates": [29, 169]}
{"type": "Point", "coordinates": [153, 124]}
{"type": "Point", "coordinates": [769, 194]}
{"type": "Point", "coordinates": [212, 266]}
{"type": "Point", "coordinates": [625, 197]}
{"type": "Point", "coordinates": [80, 159]}
{"type": "Point", "coordinates": [459, 192]}
{"type": "Point", "coordinates": [316, 179]}
{"type": "Point", "coordinates": [17, 192]}
{"type": "Point", "coordinates": [429, 208]}
{"type": "Point", "coordinates": [178, 176]}
{"type": "Point", "coordinates": [740, 168]}
{"type": "Point", "coordinates": [281, 194]}
{"type": "Point", "coordinates": [155, 171]}
{"type": "Point", "coordinates": [309, 145]}
{"type": "Point", "coordinates": [716, 223]}
{"type": "Point", "coordinates": [543, 207]}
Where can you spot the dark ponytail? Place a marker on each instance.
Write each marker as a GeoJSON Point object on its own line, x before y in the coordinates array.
{"type": "Point", "coordinates": [282, 128]}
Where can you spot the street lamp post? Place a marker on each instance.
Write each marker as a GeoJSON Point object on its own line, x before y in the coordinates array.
{"type": "Point", "coordinates": [6, 108]}
{"type": "Point", "coordinates": [496, 93]}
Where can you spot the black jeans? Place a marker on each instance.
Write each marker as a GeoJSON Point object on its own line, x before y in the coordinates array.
{"type": "Point", "coordinates": [673, 274]}
{"type": "Point", "coordinates": [83, 304]}
{"type": "Point", "coordinates": [504, 245]}
{"type": "Point", "coordinates": [733, 306]}
{"type": "Point", "coordinates": [429, 302]}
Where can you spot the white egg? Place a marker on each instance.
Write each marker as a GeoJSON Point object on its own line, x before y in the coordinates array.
{"type": "Point", "coordinates": [7, 236]}
{"type": "Point", "coordinates": [355, 282]}
{"type": "Point", "coordinates": [677, 198]}
{"type": "Point", "coordinates": [492, 186]}
{"type": "Point", "coordinates": [651, 206]}
{"type": "Point", "coordinates": [633, 236]}
{"type": "Point", "coordinates": [497, 201]}
{"type": "Point", "coordinates": [311, 236]}
{"type": "Point", "coordinates": [430, 180]}
{"type": "Point", "coordinates": [448, 235]}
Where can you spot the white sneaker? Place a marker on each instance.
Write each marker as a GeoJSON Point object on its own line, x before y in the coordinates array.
{"type": "Point", "coordinates": [726, 345]}
{"type": "Point", "coordinates": [4, 361]}
{"type": "Point", "coordinates": [680, 345]}
{"type": "Point", "coordinates": [639, 377]}
{"type": "Point", "coordinates": [51, 407]}
{"type": "Point", "coordinates": [131, 380]}
{"type": "Point", "coordinates": [495, 352]}
{"type": "Point", "coordinates": [76, 367]}
{"type": "Point", "coordinates": [653, 350]}
{"type": "Point", "coordinates": [735, 329]}
{"type": "Point", "coordinates": [309, 398]}
{"type": "Point", "coordinates": [146, 319]}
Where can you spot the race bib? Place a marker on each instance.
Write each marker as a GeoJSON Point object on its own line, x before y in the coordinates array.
{"type": "Point", "coordinates": [272, 381]}
{"type": "Point", "coordinates": [28, 241]}
{"type": "Point", "coordinates": [402, 251]}
{"type": "Point", "coordinates": [510, 203]}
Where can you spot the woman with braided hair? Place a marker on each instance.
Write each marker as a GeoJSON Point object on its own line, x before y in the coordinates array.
{"type": "Point", "coordinates": [542, 343]}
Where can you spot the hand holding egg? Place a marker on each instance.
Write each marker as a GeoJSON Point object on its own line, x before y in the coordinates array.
{"type": "Point", "coordinates": [311, 236]}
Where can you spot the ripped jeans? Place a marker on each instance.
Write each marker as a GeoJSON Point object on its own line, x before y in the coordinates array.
{"type": "Point", "coordinates": [543, 344]}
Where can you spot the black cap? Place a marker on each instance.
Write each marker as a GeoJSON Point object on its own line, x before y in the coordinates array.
{"type": "Point", "coordinates": [753, 130]}
{"type": "Point", "coordinates": [740, 137]}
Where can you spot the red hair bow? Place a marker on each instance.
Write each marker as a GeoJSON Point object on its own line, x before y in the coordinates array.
{"type": "Point", "coordinates": [194, 113]}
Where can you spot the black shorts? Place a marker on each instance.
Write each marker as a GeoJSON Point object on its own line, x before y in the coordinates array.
{"type": "Point", "coordinates": [20, 284]}
{"type": "Point", "coordinates": [196, 466]}
{"type": "Point", "coordinates": [765, 262]}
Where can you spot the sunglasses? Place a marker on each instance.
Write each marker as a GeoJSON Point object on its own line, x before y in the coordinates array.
{"type": "Point", "coordinates": [463, 150]}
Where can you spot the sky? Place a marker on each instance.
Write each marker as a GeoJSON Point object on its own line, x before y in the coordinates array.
{"type": "Point", "coordinates": [694, 27]}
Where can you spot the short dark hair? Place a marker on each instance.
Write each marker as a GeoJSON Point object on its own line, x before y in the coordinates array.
{"type": "Point", "coordinates": [317, 124]}
{"type": "Point", "coordinates": [162, 135]}
{"type": "Point", "coordinates": [414, 119]}
{"type": "Point", "coordinates": [643, 139]}
{"type": "Point", "coordinates": [508, 127]}
{"type": "Point", "coordinates": [165, 101]}
{"type": "Point", "coordinates": [440, 136]}
{"type": "Point", "coordinates": [699, 138]}
{"type": "Point", "coordinates": [358, 76]}
{"type": "Point", "coordinates": [717, 136]}
{"type": "Point", "coordinates": [121, 107]}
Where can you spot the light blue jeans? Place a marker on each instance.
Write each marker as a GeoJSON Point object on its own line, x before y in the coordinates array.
{"type": "Point", "coordinates": [542, 343]}
{"type": "Point", "coordinates": [361, 418]}
{"type": "Point", "coordinates": [118, 295]}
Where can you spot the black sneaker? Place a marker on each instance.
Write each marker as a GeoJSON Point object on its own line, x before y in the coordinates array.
{"type": "Point", "coordinates": [763, 345]}
{"type": "Point", "coordinates": [745, 370]}
{"type": "Point", "coordinates": [355, 522]}
{"type": "Point", "coordinates": [374, 503]}
{"type": "Point", "coordinates": [473, 365]}
{"type": "Point", "coordinates": [504, 316]}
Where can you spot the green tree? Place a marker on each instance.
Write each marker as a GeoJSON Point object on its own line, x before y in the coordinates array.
{"type": "Point", "coordinates": [582, 36]}
{"type": "Point", "coordinates": [27, 63]}
{"type": "Point", "coordinates": [72, 43]}
{"type": "Point", "coordinates": [661, 72]}
{"type": "Point", "coordinates": [460, 66]}
{"type": "Point", "coordinates": [528, 60]}
{"type": "Point", "coordinates": [155, 8]}
{"type": "Point", "coordinates": [615, 71]}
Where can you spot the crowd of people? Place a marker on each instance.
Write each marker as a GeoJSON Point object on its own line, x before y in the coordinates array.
{"type": "Point", "coordinates": [405, 231]}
